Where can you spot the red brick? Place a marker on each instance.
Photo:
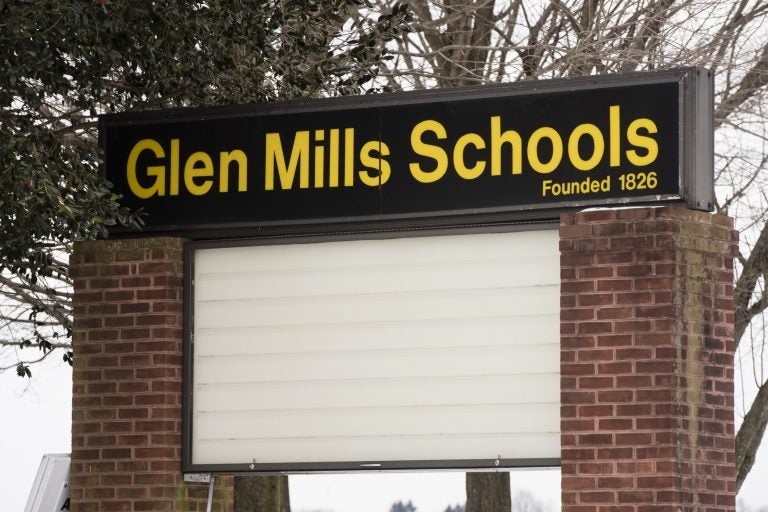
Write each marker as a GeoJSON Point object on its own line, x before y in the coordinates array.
{"type": "Point", "coordinates": [576, 482]}
{"type": "Point", "coordinates": [595, 382]}
{"type": "Point", "coordinates": [119, 295]}
{"type": "Point", "coordinates": [595, 411]}
{"type": "Point", "coordinates": [133, 387]}
{"type": "Point", "coordinates": [634, 298]}
{"type": "Point", "coordinates": [595, 439]}
{"type": "Point", "coordinates": [601, 272]}
{"type": "Point", "coordinates": [102, 335]}
{"type": "Point", "coordinates": [594, 355]}
{"type": "Point", "coordinates": [577, 287]}
{"type": "Point", "coordinates": [133, 413]}
{"type": "Point", "coordinates": [657, 481]}
{"type": "Point", "coordinates": [116, 453]}
{"type": "Point", "coordinates": [615, 424]}
{"type": "Point", "coordinates": [604, 497]}
{"type": "Point", "coordinates": [595, 299]}
{"type": "Point", "coordinates": [614, 368]}
{"type": "Point", "coordinates": [575, 454]}
{"type": "Point", "coordinates": [117, 404]}
{"type": "Point", "coordinates": [139, 333]}
{"type": "Point", "coordinates": [124, 347]}
{"type": "Point", "coordinates": [135, 307]}
{"type": "Point", "coordinates": [614, 285]}
{"type": "Point", "coordinates": [614, 453]}
{"type": "Point", "coordinates": [634, 409]}
{"type": "Point", "coordinates": [636, 496]}
{"type": "Point", "coordinates": [615, 340]}
{"type": "Point", "coordinates": [633, 438]}
{"type": "Point", "coordinates": [617, 258]}
{"type": "Point", "coordinates": [613, 396]}
{"type": "Point", "coordinates": [133, 493]}
{"type": "Point", "coordinates": [156, 426]}
{"type": "Point", "coordinates": [578, 314]}
{"type": "Point", "coordinates": [632, 326]}
{"type": "Point", "coordinates": [594, 327]}
{"type": "Point", "coordinates": [614, 313]}
{"type": "Point", "coordinates": [615, 482]}
{"type": "Point", "coordinates": [578, 369]}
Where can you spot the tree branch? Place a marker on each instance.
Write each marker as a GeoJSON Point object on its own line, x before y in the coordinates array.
{"type": "Point", "coordinates": [751, 434]}
{"type": "Point", "coordinates": [755, 79]}
{"type": "Point", "coordinates": [753, 267]}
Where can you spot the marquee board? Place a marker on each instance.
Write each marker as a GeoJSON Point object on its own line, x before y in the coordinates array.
{"type": "Point", "coordinates": [403, 353]}
{"type": "Point", "coordinates": [324, 330]}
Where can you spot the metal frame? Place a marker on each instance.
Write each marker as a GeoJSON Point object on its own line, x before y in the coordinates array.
{"type": "Point", "coordinates": [695, 150]}
{"type": "Point", "coordinates": [321, 467]}
{"type": "Point", "coordinates": [696, 162]}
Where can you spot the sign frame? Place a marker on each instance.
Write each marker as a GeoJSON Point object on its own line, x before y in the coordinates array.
{"type": "Point", "coordinates": [346, 466]}
{"type": "Point", "coordinates": [694, 170]}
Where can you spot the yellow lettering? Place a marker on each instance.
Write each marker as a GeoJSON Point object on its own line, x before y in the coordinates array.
{"type": "Point", "coordinates": [533, 150]}
{"type": "Point", "coordinates": [192, 171]}
{"type": "Point", "coordinates": [349, 157]}
{"type": "Point", "coordinates": [597, 152]}
{"type": "Point", "coordinates": [333, 172]}
{"type": "Point", "coordinates": [319, 159]}
{"type": "Point", "coordinates": [174, 181]}
{"type": "Point", "coordinates": [468, 173]}
{"type": "Point", "coordinates": [614, 115]}
{"type": "Point", "coordinates": [287, 172]}
{"type": "Point", "coordinates": [378, 166]}
{"type": "Point", "coordinates": [498, 139]}
{"type": "Point", "coordinates": [436, 153]}
{"type": "Point", "coordinates": [642, 141]}
{"type": "Point", "coordinates": [225, 159]}
{"type": "Point", "coordinates": [156, 171]}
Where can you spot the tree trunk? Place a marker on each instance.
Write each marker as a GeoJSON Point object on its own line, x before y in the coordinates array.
{"type": "Point", "coordinates": [488, 492]}
{"type": "Point", "coordinates": [262, 494]}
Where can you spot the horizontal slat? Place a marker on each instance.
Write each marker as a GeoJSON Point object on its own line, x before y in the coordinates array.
{"type": "Point", "coordinates": [379, 364]}
{"type": "Point", "coordinates": [378, 421]}
{"type": "Point", "coordinates": [373, 278]}
{"type": "Point", "coordinates": [377, 307]}
{"type": "Point", "coordinates": [375, 449]}
{"type": "Point", "coordinates": [385, 392]}
{"type": "Point", "coordinates": [330, 255]}
{"type": "Point", "coordinates": [341, 336]}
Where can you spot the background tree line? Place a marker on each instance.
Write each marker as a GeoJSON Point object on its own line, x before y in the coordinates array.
{"type": "Point", "coordinates": [65, 62]}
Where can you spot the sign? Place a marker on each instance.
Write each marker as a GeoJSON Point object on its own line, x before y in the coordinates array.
{"type": "Point", "coordinates": [50, 490]}
{"type": "Point", "coordinates": [358, 355]}
{"type": "Point", "coordinates": [517, 151]}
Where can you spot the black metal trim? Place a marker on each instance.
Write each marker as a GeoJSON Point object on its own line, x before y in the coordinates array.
{"type": "Point", "coordinates": [400, 97]}
{"type": "Point", "coordinates": [188, 348]}
{"type": "Point", "coordinates": [374, 466]}
{"type": "Point", "coordinates": [390, 223]}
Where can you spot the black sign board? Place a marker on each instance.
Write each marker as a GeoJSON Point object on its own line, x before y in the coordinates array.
{"type": "Point", "coordinates": [511, 152]}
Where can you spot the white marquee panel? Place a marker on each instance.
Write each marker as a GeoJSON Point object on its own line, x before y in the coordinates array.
{"type": "Point", "coordinates": [441, 348]}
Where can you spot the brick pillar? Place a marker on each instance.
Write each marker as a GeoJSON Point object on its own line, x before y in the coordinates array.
{"type": "Point", "coordinates": [126, 404]}
{"type": "Point", "coordinates": [647, 361]}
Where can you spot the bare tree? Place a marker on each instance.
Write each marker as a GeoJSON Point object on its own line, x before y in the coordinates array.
{"type": "Point", "coordinates": [35, 317]}
{"type": "Point", "coordinates": [523, 501]}
{"type": "Point", "coordinates": [467, 42]}
{"type": "Point", "coordinates": [488, 492]}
